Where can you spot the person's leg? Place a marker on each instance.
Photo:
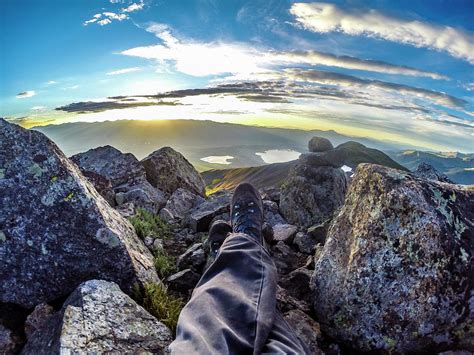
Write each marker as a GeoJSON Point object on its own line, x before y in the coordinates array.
{"type": "Point", "coordinates": [283, 340]}
{"type": "Point", "coordinates": [233, 306]}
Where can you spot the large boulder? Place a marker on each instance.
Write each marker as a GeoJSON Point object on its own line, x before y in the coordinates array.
{"type": "Point", "coordinates": [319, 144]}
{"type": "Point", "coordinates": [56, 231]}
{"type": "Point", "coordinates": [120, 168]}
{"type": "Point", "coordinates": [396, 271]}
{"type": "Point", "coordinates": [169, 170]}
{"type": "Point", "coordinates": [99, 318]}
{"type": "Point", "coordinates": [126, 177]}
{"type": "Point", "coordinates": [312, 192]}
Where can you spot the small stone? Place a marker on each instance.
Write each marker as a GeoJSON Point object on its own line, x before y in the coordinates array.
{"type": "Point", "coordinates": [319, 144]}
{"type": "Point", "coordinates": [183, 281]}
{"type": "Point", "coordinates": [40, 315]}
{"type": "Point", "coordinates": [307, 329]}
{"type": "Point", "coordinates": [284, 233]}
{"type": "Point", "coordinates": [194, 258]}
{"type": "Point", "coordinates": [9, 343]}
{"type": "Point", "coordinates": [297, 284]}
{"type": "Point", "coordinates": [286, 259]}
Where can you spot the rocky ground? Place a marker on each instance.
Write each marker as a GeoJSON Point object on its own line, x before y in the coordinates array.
{"type": "Point", "coordinates": [99, 252]}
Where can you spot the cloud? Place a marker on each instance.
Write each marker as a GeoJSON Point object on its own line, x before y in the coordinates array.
{"type": "Point", "coordinates": [25, 94]}
{"type": "Point", "coordinates": [105, 18]}
{"type": "Point", "coordinates": [108, 17]}
{"type": "Point", "coordinates": [51, 82]}
{"type": "Point", "coordinates": [347, 62]}
{"type": "Point", "coordinates": [469, 86]}
{"type": "Point", "coordinates": [324, 18]}
{"type": "Point", "coordinates": [38, 108]}
{"type": "Point", "coordinates": [331, 78]}
{"type": "Point", "coordinates": [73, 87]}
{"type": "Point", "coordinates": [124, 71]}
{"type": "Point", "coordinates": [213, 58]}
{"type": "Point", "coordinates": [133, 7]}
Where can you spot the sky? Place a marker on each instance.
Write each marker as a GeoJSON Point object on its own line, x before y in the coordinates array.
{"type": "Point", "coordinates": [392, 70]}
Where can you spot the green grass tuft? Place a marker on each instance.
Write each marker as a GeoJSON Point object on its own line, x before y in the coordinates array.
{"type": "Point", "coordinates": [157, 301]}
{"type": "Point", "coordinates": [165, 264]}
{"type": "Point", "coordinates": [146, 223]}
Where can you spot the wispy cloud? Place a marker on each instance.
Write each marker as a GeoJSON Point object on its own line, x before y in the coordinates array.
{"type": "Point", "coordinates": [324, 18]}
{"type": "Point", "coordinates": [212, 58]}
{"type": "Point", "coordinates": [347, 62]}
{"type": "Point", "coordinates": [51, 82]}
{"type": "Point", "coordinates": [108, 17]}
{"type": "Point", "coordinates": [26, 94]}
{"type": "Point", "coordinates": [72, 87]}
{"type": "Point", "coordinates": [133, 7]}
{"type": "Point", "coordinates": [124, 71]}
{"type": "Point", "coordinates": [38, 108]}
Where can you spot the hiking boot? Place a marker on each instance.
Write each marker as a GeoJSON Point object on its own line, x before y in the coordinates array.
{"type": "Point", "coordinates": [246, 211]}
{"type": "Point", "coordinates": [217, 234]}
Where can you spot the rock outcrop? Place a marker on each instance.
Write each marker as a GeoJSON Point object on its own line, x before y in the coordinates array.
{"type": "Point", "coordinates": [169, 170]}
{"type": "Point", "coordinates": [99, 318]}
{"type": "Point", "coordinates": [427, 171]}
{"type": "Point", "coordinates": [319, 144]}
{"type": "Point", "coordinates": [396, 271]}
{"type": "Point", "coordinates": [312, 192]}
{"type": "Point", "coordinates": [126, 177]}
{"type": "Point", "coordinates": [55, 229]}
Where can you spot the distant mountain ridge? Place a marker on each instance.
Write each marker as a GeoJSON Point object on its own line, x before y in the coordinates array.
{"type": "Point", "coordinates": [459, 167]}
{"type": "Point", "coordinates": [195, 139]}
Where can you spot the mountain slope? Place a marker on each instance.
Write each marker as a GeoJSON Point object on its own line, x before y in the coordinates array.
{"type": "Point", "coordinates": [457, 166]}
{"type": "Point", "coordinates": [273, 175]}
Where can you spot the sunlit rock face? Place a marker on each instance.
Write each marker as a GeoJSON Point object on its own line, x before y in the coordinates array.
{"type": "Point", "coordinates": [396, 272]}
{"type": "Point", "coordinates": [168, 170]}
{"type": "Point", "coordinates": [55, 229]}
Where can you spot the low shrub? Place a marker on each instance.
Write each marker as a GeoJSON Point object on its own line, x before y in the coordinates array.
{"type": "Point", "coordinates": [146, 223]}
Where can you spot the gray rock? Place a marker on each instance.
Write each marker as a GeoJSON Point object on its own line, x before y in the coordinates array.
{"type": "Point", "coordinates": [284, 233]}
{"type": "Point", "coordinates": [56, 231]}
{"type": "Point", "coordinates": [194, 258]}
{"type": "Point", "coordinates": [311, 194]}
{"type": "Point", "coordinates": [9, 342]}
{"type": "Point", "coordinates": [119, 168]}
{"type": "Point", "coordinates": [199, 218]}
{"type": "Point", "coordinates": [183, 281]}
{"type": "Point", "coordinates": [141, 195]}
{"type": "Point", "coordinates": [297, 284]}
{"type": "Point", "coordinates": [126, 175]}
{"type": "Point", "coordinates": [286, 259]}
{"type": "Point", "coordinates": [306, 242]}
{"type": "Point", "coordinates": [99, 318]}
{"type": "Point", "coordinates": [427, 171]}
{"type": "Point", "coordinates": [307, 329]}
{"type": "Point", "coordinates": [319, 144]}
{"type": "Point", "coordinates": [272, 214]}
{"type": "Point", "coordinates": [168, 170]}
{"type": "Point", "coordinates": [40, 315]}
{"type": "Point", "coordinates": [286, 302]}
{"type": "Point", "coordinates": [395, 270]}
{"type": "Point", "coordinates": [181, 202]}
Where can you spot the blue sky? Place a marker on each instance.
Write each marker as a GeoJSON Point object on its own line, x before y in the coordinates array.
{"type": "Point", "coordinates": [400, 71]}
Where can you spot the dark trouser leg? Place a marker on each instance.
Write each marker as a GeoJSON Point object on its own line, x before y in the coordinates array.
{"type": "Point", "coordinates": [233, 305]}
{"type": "Point", "coordinates": [283, 340]}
